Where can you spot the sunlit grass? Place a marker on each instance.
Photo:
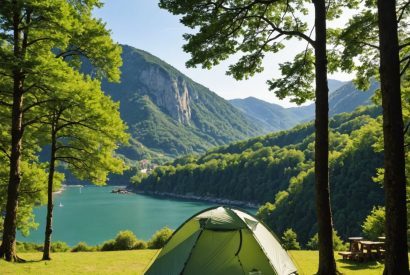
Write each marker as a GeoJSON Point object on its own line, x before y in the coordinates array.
{"type": "Point", "coordinates": [116, 262]}
{"type": "Point", "coordinates": [136, 262]}
{"type": "Point", "coordinates": [307, 263]}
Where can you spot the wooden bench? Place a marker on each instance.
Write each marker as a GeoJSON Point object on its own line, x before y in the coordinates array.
{"type": "Point", "coordinates": [347, 255]}
{"type": "Point", "coordinates": [352, 255]}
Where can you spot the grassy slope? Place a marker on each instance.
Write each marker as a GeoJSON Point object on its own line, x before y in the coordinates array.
{"type": "Point", "coordinates": [135, 262]}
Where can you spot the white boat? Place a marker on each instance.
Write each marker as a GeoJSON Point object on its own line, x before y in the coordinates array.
{"type": "Point", "coordinates": [61, 205]}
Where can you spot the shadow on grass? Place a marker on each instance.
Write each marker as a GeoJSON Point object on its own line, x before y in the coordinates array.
{"type": "Point", "coordinates": [354, 265]}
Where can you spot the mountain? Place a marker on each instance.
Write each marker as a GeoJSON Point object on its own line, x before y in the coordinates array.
{"type": "Point", "coordinates": [273, 117]}
{"type": "Point", "coordinates": [334, 84]}
{"type": "Point", "coordinates": [343, 97]}
{"type": "Point", "coordinates": [277, 171]}
{"type": "Point", "coordinates": [168, 114]}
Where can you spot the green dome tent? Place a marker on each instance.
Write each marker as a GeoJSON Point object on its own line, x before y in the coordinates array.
{"type": "Point", "coordinates": [222, 241]}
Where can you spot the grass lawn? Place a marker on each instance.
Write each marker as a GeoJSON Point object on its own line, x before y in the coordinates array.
{"type": "Point", "coordinates": [136, 261]}
{"type": "Point", "coordinates": [307, 263]}
{"type": "Point", "coordinates": [116, 262]}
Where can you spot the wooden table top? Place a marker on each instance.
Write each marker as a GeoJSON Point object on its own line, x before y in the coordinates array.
{"type": "Point", "coordinates": [355, 238]}
{"type": "Point", "coordinates": [371, 243]}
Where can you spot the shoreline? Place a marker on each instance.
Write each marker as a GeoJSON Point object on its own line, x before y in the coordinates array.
{"type": "Point", "coordinates": [196, 198]}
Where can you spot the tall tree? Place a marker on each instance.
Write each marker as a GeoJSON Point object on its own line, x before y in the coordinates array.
{"type": "Point", "coordinates": [255, 28]}
{"type": "Point", "coordinates": [84, 129]}
{"type": "Point", "coordinates": [380, 36]}
{"type": "Point", "coordinates": [29, 44]}
{"type": "Point", "coordinates": [393, 129]}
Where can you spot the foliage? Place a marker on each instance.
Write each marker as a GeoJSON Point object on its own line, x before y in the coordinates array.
{"type": "Point", "coordinates": [33, 247]}
{"type": "Point", "coordinates": [59, 246]}
{"type": "Point", "coordinates": [338, 244]}
{"type": "Point", "coordinates": [160, 238]}
{"type": "Point", "coordinates": [83, 247]}
{"type": "Point", "coordinates": [28, 247]}
{"type": "Point", "coordinates": [289, 240]}
{"type": "Point", "coordinates": [108, 245]}
{"type": "Point", "coordinates": [373, 226]}
{"type": "Point", "coordinates": [276, 171]}
{"type": "Point", "coordinates": [125, 240]}
{"type": "Point", "coordinates": [358, 42]}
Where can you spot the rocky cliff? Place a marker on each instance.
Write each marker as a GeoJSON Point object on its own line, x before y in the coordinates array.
{"type": "Point", "coordinates": [168, 114]}
{"type": "Point", "coordinates": [170, 93]}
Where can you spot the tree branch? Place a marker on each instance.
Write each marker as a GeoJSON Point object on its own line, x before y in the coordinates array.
{"type": "Point", "coordinates": [402, 11]}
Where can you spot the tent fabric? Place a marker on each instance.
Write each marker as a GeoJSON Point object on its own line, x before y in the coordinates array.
{"type": "Point", "coordinates": [222, 241]}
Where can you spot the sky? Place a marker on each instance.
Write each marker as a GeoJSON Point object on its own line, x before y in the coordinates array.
{"type": "Point", "coordinates": [143, 25]}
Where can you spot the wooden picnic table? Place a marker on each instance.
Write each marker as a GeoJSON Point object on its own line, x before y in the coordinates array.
{"type": "Point", "coordinates": [354, 243]}
{"type": "Point", "coordinates": [362, 250]}
{"type": "Point", "coordinates": [372, 250]}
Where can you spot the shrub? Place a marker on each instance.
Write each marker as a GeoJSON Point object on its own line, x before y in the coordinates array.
{"type": "Point", "coordinates": [289, 240]}
{"type": "Point", "coordinates": [140, 245]}
{"type": "Point", "coordinates": [28, 247]}
{"type": "Point", "coordinates": [125, 240]}
{"type": "Point", "coordinates": [338, 244]}
{"type": "Point", "coordinates": [59, 247]}
{"type": "Point", "coordinates": [313, 243]}
{"type": "Point", "coordinates": [160, 238]}
{"type": "Point", "coordinates": [108, 245]}
{"type": "Point", "coordinates": [373, 226]}
{"type": "Point", "coordinates": [82, 247]}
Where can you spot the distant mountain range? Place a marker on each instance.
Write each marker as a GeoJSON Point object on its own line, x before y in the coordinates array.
{"type": "Point", "coordinates": [343, 98]}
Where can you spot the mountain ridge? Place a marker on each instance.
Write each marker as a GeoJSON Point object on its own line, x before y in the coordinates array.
{"type": "Point", "coordinates": [343, 97]}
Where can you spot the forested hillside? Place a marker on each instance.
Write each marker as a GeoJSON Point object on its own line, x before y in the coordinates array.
{"type": "Point", "coordinates": [168, 114]}
{"type": "Point", "coordinates": [277, 169]}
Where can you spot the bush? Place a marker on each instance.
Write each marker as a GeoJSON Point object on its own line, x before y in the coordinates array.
{"type": "Point", "coordinates": [125, 240]}
{"type": "Point", "coordinates": [313, 243]}
{"type": "Point", "coordinates": [160, 238]}
{"type": "Point", "coordinates": [82, 247]}
{"type": "Point", "coordinates": [108, 245]}
{"type": "Point", "coordinates": [140, 245]}
{"type": "Point", "coordinates": [338, 244]}
{"type": "Point", "coordinates": [289, 240]}
{"type": "Point", "coordinates": [373, 226]}
{"type": "Point", "coordinates": [59, 247]}
{"type": "Point", "coordinates": [28, 247]}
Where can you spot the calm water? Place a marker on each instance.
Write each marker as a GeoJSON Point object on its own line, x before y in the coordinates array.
{"type": "Point", "coordinates": [93, 214]}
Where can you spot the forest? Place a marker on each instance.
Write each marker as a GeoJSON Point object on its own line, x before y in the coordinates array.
{"type": "Point", "coordinates": [312, 178]}
{"type": "Point", "coordinates": [276, 171]}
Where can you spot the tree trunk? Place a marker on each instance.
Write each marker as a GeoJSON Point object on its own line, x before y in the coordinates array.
{"type": "Point", "coordinates": [50, 205]}
{"type": "Point", "coordinates": [394, 160]}
{"type": "Point", "coordinates": [8, 246]}
{"type": "Point", "coordinates": [8, 249]}
{"type": "Point", "coordinates": [327, 264]}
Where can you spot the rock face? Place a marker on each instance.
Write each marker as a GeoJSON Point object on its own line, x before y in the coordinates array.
{"type": "Point", "coordinates": [168, 114]}
{"type": "Point", "coordinates": [169, 93]}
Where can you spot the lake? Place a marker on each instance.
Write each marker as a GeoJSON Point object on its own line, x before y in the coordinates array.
{"type": "Point", "coordinates": [93, 214]}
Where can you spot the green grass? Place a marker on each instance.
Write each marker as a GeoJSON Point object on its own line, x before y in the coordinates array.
{"type": "Point", "coordinates": [136, 261]}
{"type": "Point", "coordinates": [116, 262]}
{"type": "Point", "coordinates": [307, 263]}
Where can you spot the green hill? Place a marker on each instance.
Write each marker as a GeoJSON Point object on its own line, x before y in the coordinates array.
{"type": "Point", "coordinates": [168, 114]}
{"type": "Point", "coordinates": [277, 169]}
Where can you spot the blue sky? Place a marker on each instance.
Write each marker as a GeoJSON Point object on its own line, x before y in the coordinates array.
{"type": "Point", "coordinates": [142, 24]}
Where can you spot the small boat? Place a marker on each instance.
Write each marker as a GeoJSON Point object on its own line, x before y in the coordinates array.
{"type": "Point", "coordinates": [61, 205]}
